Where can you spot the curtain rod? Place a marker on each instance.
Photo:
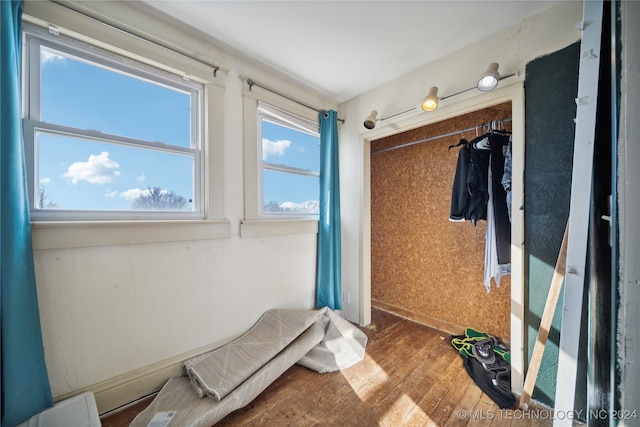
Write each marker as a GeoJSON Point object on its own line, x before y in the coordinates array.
{"type": "Point", "coordinates": [216, 68]}
{"type": "Point", "coordinates": [431, 138]}
{"type": "Point", "coordinates": [253, 83]}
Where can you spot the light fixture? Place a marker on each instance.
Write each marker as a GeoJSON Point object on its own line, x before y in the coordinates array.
{"type": "Point", "coordinates": [430, 102]}
{"type": "Point", "coordinates": [489, 79]}
{"type": "Point", "coordinates": [370, 120]}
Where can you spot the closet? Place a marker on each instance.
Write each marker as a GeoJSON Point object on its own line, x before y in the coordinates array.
{"type": "Point", "coordinates": [423, 265]}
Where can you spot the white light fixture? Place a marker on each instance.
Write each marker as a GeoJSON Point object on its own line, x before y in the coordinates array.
{"type": "Point", "coordinates": [370, 120]}
{"type": "Point", "coordinates": [430, 102]}
{"type": "Point", "coordinates": [489, 79]}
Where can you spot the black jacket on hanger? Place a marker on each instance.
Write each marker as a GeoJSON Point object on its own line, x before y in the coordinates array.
{"type": "Point", "coordinates": [460, 193]}
{"type": "Point", "coordinates": [477, 179]}
{"type": "Point", "coordinates": [499, 142]}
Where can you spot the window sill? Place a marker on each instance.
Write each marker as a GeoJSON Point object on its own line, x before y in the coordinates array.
{"type": "Point", "coordinates": [278, 227]}
{"type": "Point", "coordinates": [64, 235]}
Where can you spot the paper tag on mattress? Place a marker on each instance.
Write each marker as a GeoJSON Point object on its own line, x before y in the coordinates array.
{"type": "Point", "coordinates": [161, 419]}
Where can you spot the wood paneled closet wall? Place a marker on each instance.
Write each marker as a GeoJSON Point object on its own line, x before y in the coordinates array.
{"type": "Point", "coordinates": [424, 266]}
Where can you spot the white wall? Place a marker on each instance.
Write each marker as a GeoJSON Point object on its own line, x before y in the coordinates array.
{"type": "Point", "coordinates": [512, 48]}
{"type": "Point", "coordinates": [121, 307]}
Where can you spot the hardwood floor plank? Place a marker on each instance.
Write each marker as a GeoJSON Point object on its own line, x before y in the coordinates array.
{"type": "Point", "coordinates": [501, 418]}
{"type": "Point", "coordinates": [398, 372]}
{"type": "Point", "coordinates": [483, 412]}
{"type": "Point", "coordinates": [449, 400]}
{"type": "Point", "coordinates": [441, 383]}
{"type": "Point", "coordinates": [395, 406]}
{"type": "Point", "coordinates": [464, 407]}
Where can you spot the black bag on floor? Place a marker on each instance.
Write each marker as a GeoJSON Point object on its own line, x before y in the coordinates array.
{"type": "Point", "coordinates": [486, 360]}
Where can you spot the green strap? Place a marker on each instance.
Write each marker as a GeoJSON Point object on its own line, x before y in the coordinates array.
{"type": "Point", "coordinates": [464, 344]}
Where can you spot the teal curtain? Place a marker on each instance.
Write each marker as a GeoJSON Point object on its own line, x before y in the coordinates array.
{"type": "Point", "coordinates": [329, 241]}
{"type": "Point", "coordinates": [25, 384]}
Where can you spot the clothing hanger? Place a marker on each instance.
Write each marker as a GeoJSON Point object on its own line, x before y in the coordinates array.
{"type": "Point", "coordinates": [462, 142]}
{"type": "Point", "coordinates": [497, 127]}
{"type": "Point", "coordinates": [483, 144]}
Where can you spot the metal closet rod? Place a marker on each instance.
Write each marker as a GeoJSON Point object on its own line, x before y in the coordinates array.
{"type": "Point", "coordinates": [216, 68]}
{"type": "Point", "coordinates": [431, 138]}
{"type": "Point", "coordinates": [253, 83]}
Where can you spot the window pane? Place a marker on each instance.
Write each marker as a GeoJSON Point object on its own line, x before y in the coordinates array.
{"type": "Point", "coordinates": [290, 147]}
{"type": "Point", "coordinates": [79, 174]}
{"type": "Point", "coordinates": [290, 193]}
{"type": "Point", "coordinates": [87, 96]}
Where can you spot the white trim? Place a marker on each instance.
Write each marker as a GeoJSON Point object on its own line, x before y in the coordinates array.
{"type": "Point", "coordinates": [252, 190]}
{"type": "Point", "coordinates": [123, 389]}
{"type": "Point", "coordinates": [85, 29]}
{"type": "Point", "coordinates": [284, 118]}
{"type": "Point", "coordinates": [509, 90]}
{"type": "Point", "coordinates": [35, 38]}
{"type": "Point", "coordinates": [277, 227]}
{"type": "Point", "coordinates": [259, 104]}
{"type": "Point", "coordinates": [581, 185]}
{"type": "Point", "coordinates": [210, 126]}
{"type": "Point", "coordinates": [33, 126]}
{"type": "Point", "coordinates": [65, 235]}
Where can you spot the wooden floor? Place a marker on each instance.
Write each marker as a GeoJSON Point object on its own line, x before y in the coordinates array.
{"type": "Point", "coordinates": [411, 376]}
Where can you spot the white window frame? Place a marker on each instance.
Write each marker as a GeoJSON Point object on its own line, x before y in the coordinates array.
{"type": "Point", "coordinates": [256, 224]}
{"type": "Point", "coordinates": [34, 39]}
{"type": "Point", "coordinates": [77, 234]}
{"type": "Point", "coordinates": [283, 118]}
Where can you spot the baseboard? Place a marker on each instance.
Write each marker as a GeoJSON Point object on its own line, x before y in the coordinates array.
{"type": "Point", "coordinates": [423, 319]}
{"type": "Point", "coordinates": [126, 388]}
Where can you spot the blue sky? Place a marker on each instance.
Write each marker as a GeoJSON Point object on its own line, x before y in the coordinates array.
{"type": "Point", "coordinates": [93, 175]}
{"type": "Point", "coordinates": [82, 174]}
{"type": "Point", "coordinates": [290, 147]}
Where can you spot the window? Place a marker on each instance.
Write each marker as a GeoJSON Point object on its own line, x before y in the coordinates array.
{"type": "Point", "coordinates": [107, 137]}
{"type": "Point", "coordinates": [289, 159]}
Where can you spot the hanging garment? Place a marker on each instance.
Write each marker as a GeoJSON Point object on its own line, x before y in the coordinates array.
{"type": "Point", "coordinates": [460, 192]}
{"type": "Point", "coordinates": [492, 269]}
{"type": "Point", "coordinates": [477, 179]}
{"type": "Point", "coordinates": [506, 177]}
{"type": "Point", "coordinates": [498, 143]}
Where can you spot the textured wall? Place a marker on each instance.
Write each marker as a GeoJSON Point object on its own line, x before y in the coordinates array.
{"type": "Point", "coordinates": [420, 261]}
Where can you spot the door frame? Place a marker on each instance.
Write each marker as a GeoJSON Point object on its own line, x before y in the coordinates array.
{"type": "Point", "coordinates": [511, 89]}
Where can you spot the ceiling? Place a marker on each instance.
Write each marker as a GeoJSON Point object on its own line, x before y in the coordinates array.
{"type": "Point", "coordinates": [342, 49]}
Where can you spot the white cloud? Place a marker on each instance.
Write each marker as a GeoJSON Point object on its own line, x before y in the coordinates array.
{"type": "Point", "coordinates": [275, 148]}
{"type": "Point", "coordinates": [134, 193]}
{"type": "Point", "coordinates": [48, 57]}
{"type": "Point", "coordinates": [110, 193]}
{"type": "Point", "coordinates": [44, 181]}
{"type": "Point", "coordinates": [98, 169]}
{"type": "Point", "coordinates": [141, 178]}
